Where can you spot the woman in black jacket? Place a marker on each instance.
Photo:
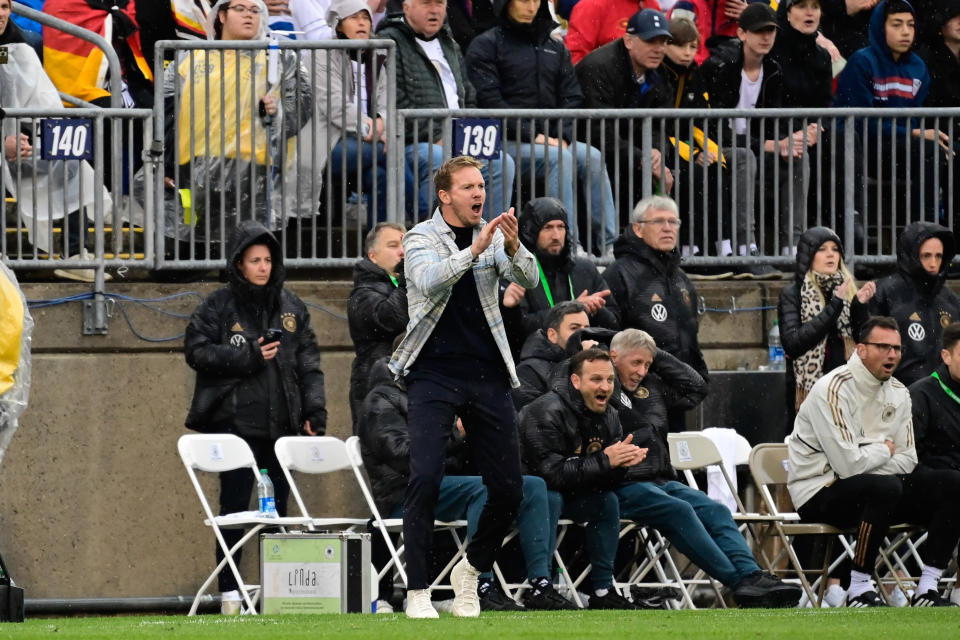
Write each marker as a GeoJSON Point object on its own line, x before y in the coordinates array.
{"type": "Point", "coordinates": [256, 388]}
{"type": "Point", "coordinates": [814, 313]}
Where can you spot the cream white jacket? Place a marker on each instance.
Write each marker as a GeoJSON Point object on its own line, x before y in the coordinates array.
{"type": "Point", "coordinates": [841, 427]}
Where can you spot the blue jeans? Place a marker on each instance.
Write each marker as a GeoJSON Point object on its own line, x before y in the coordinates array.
{"type": "Point", "coordinates": [373, 161]}
{"type": "Point", "coordinates": [601, 511]}
{"type": "Point", "coordinates": [463, 497]}
{"type": "Point", "coordinates": [698, 526]}
{"type": "Point", "coordinates": [498, 175]}
{"type": "Point", "coordinates": [555, 166]}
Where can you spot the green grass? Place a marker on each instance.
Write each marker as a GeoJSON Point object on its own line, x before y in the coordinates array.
{"type": "Point", "coordinates": [892, 624]}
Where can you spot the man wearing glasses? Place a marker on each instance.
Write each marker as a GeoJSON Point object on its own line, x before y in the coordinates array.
{"type": "Point", "coordinates": [853, 463]}
{"type": "Point", "coordinates": [651, 290]}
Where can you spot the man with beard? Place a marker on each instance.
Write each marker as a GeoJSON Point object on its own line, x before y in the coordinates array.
{"type": "Point", "coordinates": [573, 440]}
{"type": "Point", "coordinates": [563, 277]}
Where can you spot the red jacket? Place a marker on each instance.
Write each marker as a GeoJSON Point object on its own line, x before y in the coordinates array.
{"type": "Point", "coordinates": [594, 23]}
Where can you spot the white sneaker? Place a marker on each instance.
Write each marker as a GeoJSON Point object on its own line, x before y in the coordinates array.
{"type": "Point", "coordinates": [463, 579]}
{"type": "Point", "coordinates": [230, 603]}
{"type": "Point", "coordinates": [383, 606]}
{"type": "Point", "coordinates": [835, 596]}
{"type": "Point", "coordinates": [419, 605]}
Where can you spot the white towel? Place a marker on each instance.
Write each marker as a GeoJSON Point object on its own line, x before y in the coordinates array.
{"type": "Point", "coordinates": [726, 441]}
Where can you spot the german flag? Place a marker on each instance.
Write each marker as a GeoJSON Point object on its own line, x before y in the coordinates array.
{"type": "Point", "coordinates": [78, 67]}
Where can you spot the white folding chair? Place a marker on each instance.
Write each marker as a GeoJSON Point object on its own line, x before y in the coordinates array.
{"type": "Point", "coordinates": [216, 453]}
{"type": "Point", "coordinates": [314, 455]}
{"type": "Point", "coordinates": [387, 525]}
{"type": "Point", "coordinates": [693, 450]}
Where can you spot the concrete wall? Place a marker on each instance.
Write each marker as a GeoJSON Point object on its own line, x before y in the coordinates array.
{"type": "Point", "coordinates": [96, 502]}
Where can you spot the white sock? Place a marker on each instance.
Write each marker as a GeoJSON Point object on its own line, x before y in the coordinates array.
{"type": "Point", "coordinates": [929, 579]}
{"type": "Point", "coordinates": [724, 248]}
{"type": "Point", "coordinates": [601, 592]}
{"type": "Point", "coordinates": [742, 250]}
{"type": "Point", "coordinates": [860, 583]}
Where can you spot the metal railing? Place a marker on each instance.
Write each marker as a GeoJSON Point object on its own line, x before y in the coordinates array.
{"type": "Point", "coordinates": [226, 158]}
{"type": "Point", "coordinates": [752, 203]}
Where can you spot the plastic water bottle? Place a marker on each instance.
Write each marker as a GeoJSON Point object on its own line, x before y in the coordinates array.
{"type": "Point", "coordinates": [775, 348]}
{"type": "Point", "coordinates": [268, 507]}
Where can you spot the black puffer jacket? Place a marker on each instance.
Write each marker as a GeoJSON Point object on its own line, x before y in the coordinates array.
{"type": "Point", "coordinates": [566, 276]}
{"type": "Point", "coordinates": [919, 302]}
{"type": "Point", "coordinates": [519, 66]}
{"type": "Point", "coordinates": [799, 337]}
{"type": "Point", "coordinates": [669, 384]}
{"type": "Point", "coordinates": [236, 389]}
{"type": "Point", "coordinates": [563, 441]}
{"type": "Point", "coordinates": [376, 313]}
{"type": "Point", "coordinates": [936, 421]}
{"type": "Point", "coordinates": [535, 367]}
{"type": "Point", "coordinates": [722, 70]}
{"type": "Point", "coordinates": [385, 440]}
{"type": "Point", "coordinates": [655, 295]}
{"type": "Point", "coordinates": [806, 66]}
{"type": "Point", "coordinates": [418, 81]}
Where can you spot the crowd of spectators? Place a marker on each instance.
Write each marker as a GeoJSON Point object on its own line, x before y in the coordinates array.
{"type": "Point", "coordinates": [522, 54]}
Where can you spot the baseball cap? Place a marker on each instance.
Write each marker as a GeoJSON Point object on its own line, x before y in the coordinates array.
{"type": "Point", "coordinates": [757, 17]}
{"type": "Point", "coordinates": [648, 24]}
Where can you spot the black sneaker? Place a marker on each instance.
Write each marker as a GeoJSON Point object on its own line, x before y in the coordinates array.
{"type": "Point", "coordinates": [865, 600]}
{"type": "Point", "coordinates": [493, 599]}
{"type": "Point", "coordinates": [612, 600]}
{"type": "Point", "coordinates": [760, 589]}
{"type": "Point", "coordinates": [546, 598]}
{"type": "Point", "coordinates": [930, 599]}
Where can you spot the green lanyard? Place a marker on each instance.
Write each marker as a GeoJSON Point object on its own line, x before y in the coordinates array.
{"type": "Point", "coordinates": [947, 390]}
{"type": "Point", "coordinates": [393, 280]}
{"type": "Point", "coordinates": [546, 285]}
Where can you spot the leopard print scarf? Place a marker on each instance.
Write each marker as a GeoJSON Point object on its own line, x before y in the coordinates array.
{"type": "Point", "coordinates": [808, 368]}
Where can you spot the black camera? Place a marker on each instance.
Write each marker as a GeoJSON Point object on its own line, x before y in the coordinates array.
{"type": "Point", "coordinates": [272, 335]}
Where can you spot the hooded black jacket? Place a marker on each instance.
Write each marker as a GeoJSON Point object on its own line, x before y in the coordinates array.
{"type": "Point", "coordinates": [385, 440]}
{"type": "Point", "coordinates": [562, 272]}
{"type": "Point", "coordinates": [669, 384]}
{"type": "Point", "coordinates": [236, 389]}
{"type": "Point", "coordinates": [376, 314]}
{"type": "Point", "coordinates": [721, 71]}
{"type": "Point", "coordinates": [919, 302]}
{"type": "Point", "coordinates": [799, 337]}
{"type": "Point", "coordinates": [563, 441]}
{"type": "Point", "coordinates": [655, 295]}
{"type": "Point", "coordinates": [936, 420]}
{"type": "Point", "coordinates": [538, 358]}
{"type": "Point", "coordinates": [805, 65]}
{"type": "Point", "coordinates": [519, 66]}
